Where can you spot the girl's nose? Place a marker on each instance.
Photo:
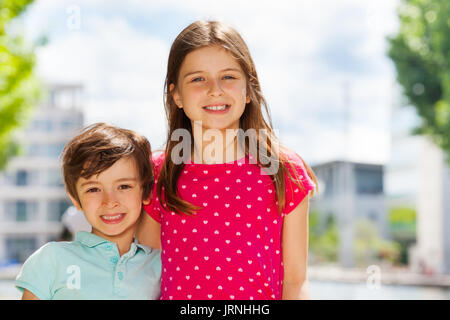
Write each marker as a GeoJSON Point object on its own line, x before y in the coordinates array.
{"type": "Point", "coordinates": [215, 89]}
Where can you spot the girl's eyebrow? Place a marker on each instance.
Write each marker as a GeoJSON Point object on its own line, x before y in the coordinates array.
{"type": "Point", "coordinates": [132, 179]}
{"type": "Point", "coordinates": [226, 69]}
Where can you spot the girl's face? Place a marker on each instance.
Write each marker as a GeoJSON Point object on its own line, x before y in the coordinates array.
{"type": "Point", "coordinates": [211, 88]}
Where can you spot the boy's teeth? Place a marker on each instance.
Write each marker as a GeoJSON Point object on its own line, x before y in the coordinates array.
{"type": "Point", "coordinates": [216, 107]}
{"type": "Point", "coordinates": [112, 217]}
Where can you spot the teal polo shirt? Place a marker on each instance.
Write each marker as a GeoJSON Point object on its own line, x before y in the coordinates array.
{"type": "Point", "coordinates": [91, 268]}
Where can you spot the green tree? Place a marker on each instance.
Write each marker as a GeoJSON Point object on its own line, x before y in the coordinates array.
{"type": "Point", "coordinates": [323, 238]}
{"type": "Point", "coordinates": [19, 89]}
{"type": "Point", "coordinates": [421, 55]}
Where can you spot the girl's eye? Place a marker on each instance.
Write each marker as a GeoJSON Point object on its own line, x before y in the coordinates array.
{"type": "Point", "coordinates": [229, 77]}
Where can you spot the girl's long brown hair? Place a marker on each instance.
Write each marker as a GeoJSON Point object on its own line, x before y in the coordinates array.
{"type": "Point", "coordinates": [212, 33]}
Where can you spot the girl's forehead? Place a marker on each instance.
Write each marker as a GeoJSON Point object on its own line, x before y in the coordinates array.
{"type": "Point", "coordinates": [214, 56]}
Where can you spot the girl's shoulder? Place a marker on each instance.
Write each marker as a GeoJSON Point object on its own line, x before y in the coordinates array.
{"type": "Point", "coordinates": [158, 158]}
{"type": "Point", "coordinates": [291, 156]}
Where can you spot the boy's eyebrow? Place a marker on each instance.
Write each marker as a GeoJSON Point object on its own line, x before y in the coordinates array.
{"type": "Point", "coordinates": [88, 182]}
{"type": "Point", "coordinates": [199, 71]}
{"type": "Point", "coordinates": [118, 180]}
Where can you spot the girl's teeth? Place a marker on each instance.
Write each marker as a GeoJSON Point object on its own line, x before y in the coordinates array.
{"type": "Point", "coordinates": [216, 108]}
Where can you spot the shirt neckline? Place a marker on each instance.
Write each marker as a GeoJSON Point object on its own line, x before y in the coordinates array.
{"type": "Point", "coordinates": [91, 240]}
{"type": "Point", "coordinates": [240, 161]}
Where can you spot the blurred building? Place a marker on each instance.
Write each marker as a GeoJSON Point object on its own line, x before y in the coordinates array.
{"type": "Point", "coordinates": [32, 194]}
{"type": "Point", "coordinates": [349, 192]}
{"type": "Point", "coordinates": [418, 179]}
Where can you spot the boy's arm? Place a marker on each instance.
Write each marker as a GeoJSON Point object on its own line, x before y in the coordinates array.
{"type": "Point", "coordinates": [27, 295]}
{"type": "Point", "coordinates": [295, 252]}
{"type": "Point", "coordinates": [148, 231]}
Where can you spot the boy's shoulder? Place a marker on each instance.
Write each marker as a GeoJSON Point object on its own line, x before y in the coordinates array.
{"type": "Point", "coordinates": [54, 249]}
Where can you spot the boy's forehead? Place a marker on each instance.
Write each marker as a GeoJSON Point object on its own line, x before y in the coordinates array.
{"type": "Point", "coordinates": [123, 169]}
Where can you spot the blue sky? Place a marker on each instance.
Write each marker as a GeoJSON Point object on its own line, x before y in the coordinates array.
{"type": "Point", "coordinates": [306, 54]}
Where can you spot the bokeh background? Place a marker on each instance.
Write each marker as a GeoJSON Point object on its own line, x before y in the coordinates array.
{"type": "Point", "coordinates": [360, 89]}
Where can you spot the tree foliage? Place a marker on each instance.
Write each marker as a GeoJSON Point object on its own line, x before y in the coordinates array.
{"type": "Point", "coordinates": [421, 55]}
{"type": "Point", "coordinates": [19, 88]}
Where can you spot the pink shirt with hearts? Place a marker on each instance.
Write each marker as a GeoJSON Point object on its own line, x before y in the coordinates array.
{"type": "Point", "coordinates": [230, 249]}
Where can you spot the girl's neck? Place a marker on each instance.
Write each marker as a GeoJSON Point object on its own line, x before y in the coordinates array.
{"type": "Point", "coordinates": [215, 147]}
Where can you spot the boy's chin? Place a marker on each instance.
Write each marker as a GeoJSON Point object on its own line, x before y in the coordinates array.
{"type": "Point", "coordinates": [110, 232]}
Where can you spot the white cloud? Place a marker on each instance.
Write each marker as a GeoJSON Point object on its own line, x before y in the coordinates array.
{"type": "Point", "coordinates": [121, 69]}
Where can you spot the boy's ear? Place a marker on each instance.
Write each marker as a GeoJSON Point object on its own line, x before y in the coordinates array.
{"type": "Point", "coordinates": [175, 95]}
{"type": "Point", "coordinates": [75, 203]}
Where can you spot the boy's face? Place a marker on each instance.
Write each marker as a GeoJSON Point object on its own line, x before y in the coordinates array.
{"type": "Point", "coordinates": [112, 200]}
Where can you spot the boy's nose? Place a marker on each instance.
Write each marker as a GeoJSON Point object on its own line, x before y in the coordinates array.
{"type": "Point", "coordinates": [109, 199]}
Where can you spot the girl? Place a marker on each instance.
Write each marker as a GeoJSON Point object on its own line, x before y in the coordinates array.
{"type": "Point", "coordinates": [233, 213]}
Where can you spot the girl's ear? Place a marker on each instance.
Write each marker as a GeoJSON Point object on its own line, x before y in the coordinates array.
{"type": "Point", "coordinates": [175, 95]}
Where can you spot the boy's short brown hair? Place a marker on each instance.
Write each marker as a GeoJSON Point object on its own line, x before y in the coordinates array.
{"type": "Point", "coordinates": [97, 148]}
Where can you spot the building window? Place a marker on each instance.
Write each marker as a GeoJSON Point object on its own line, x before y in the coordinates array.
{"type": "Point", "coordinates": [22, 178]}
{"type": "Point", "coordinates": [20, 211]}
{"type": "Point", "coordinates": [19, 249]}
{"type": "Point", "coordinates": [56, 208]}
{"type": "Point", "coordinates": [54, 178]}
{"type": "Point", "coordinates": [368, 181]}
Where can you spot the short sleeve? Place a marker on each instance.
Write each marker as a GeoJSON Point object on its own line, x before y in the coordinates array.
{"type": "Point", "coordinates": [153, 209]}
{"type": "Point", "coordinates": [38, 273]}
{"type": "Point", "coordinates": [294, 194]}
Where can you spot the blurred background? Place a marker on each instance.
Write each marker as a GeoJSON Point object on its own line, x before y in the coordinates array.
{"type": "Point", "coordinates": [360, 89]}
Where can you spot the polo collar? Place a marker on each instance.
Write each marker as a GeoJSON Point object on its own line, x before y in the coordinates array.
{"type": "Point", "coordinates": [91, 240]}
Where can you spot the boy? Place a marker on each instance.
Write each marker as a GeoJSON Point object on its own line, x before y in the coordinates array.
{"type": "Point", "coordinates": [108, 174]}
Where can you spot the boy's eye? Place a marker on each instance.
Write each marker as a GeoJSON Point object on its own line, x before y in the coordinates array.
{"type": "Point", "coordinates": [124, 187]}
{"type": "Point", "coordinates": [91, 190]}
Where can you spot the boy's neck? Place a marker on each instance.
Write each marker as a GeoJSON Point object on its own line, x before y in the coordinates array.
{"type": "Point", "coordinates": [122, 241]}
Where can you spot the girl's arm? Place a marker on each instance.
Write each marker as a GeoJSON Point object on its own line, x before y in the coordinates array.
{"type": "Point", "coordinates": [148, 231]}
{"type": "Point", "coordinates": [27, 295]}
{"type": "Point", "coordinates": [295, 252]}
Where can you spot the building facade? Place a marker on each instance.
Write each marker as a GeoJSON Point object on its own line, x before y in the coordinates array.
{"type": "Point", "coordinates": [349, 192]}
{"type": "Point", "coordinates": [418, 179]}
{"type": "Point", "coordinates": [32, 194]}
